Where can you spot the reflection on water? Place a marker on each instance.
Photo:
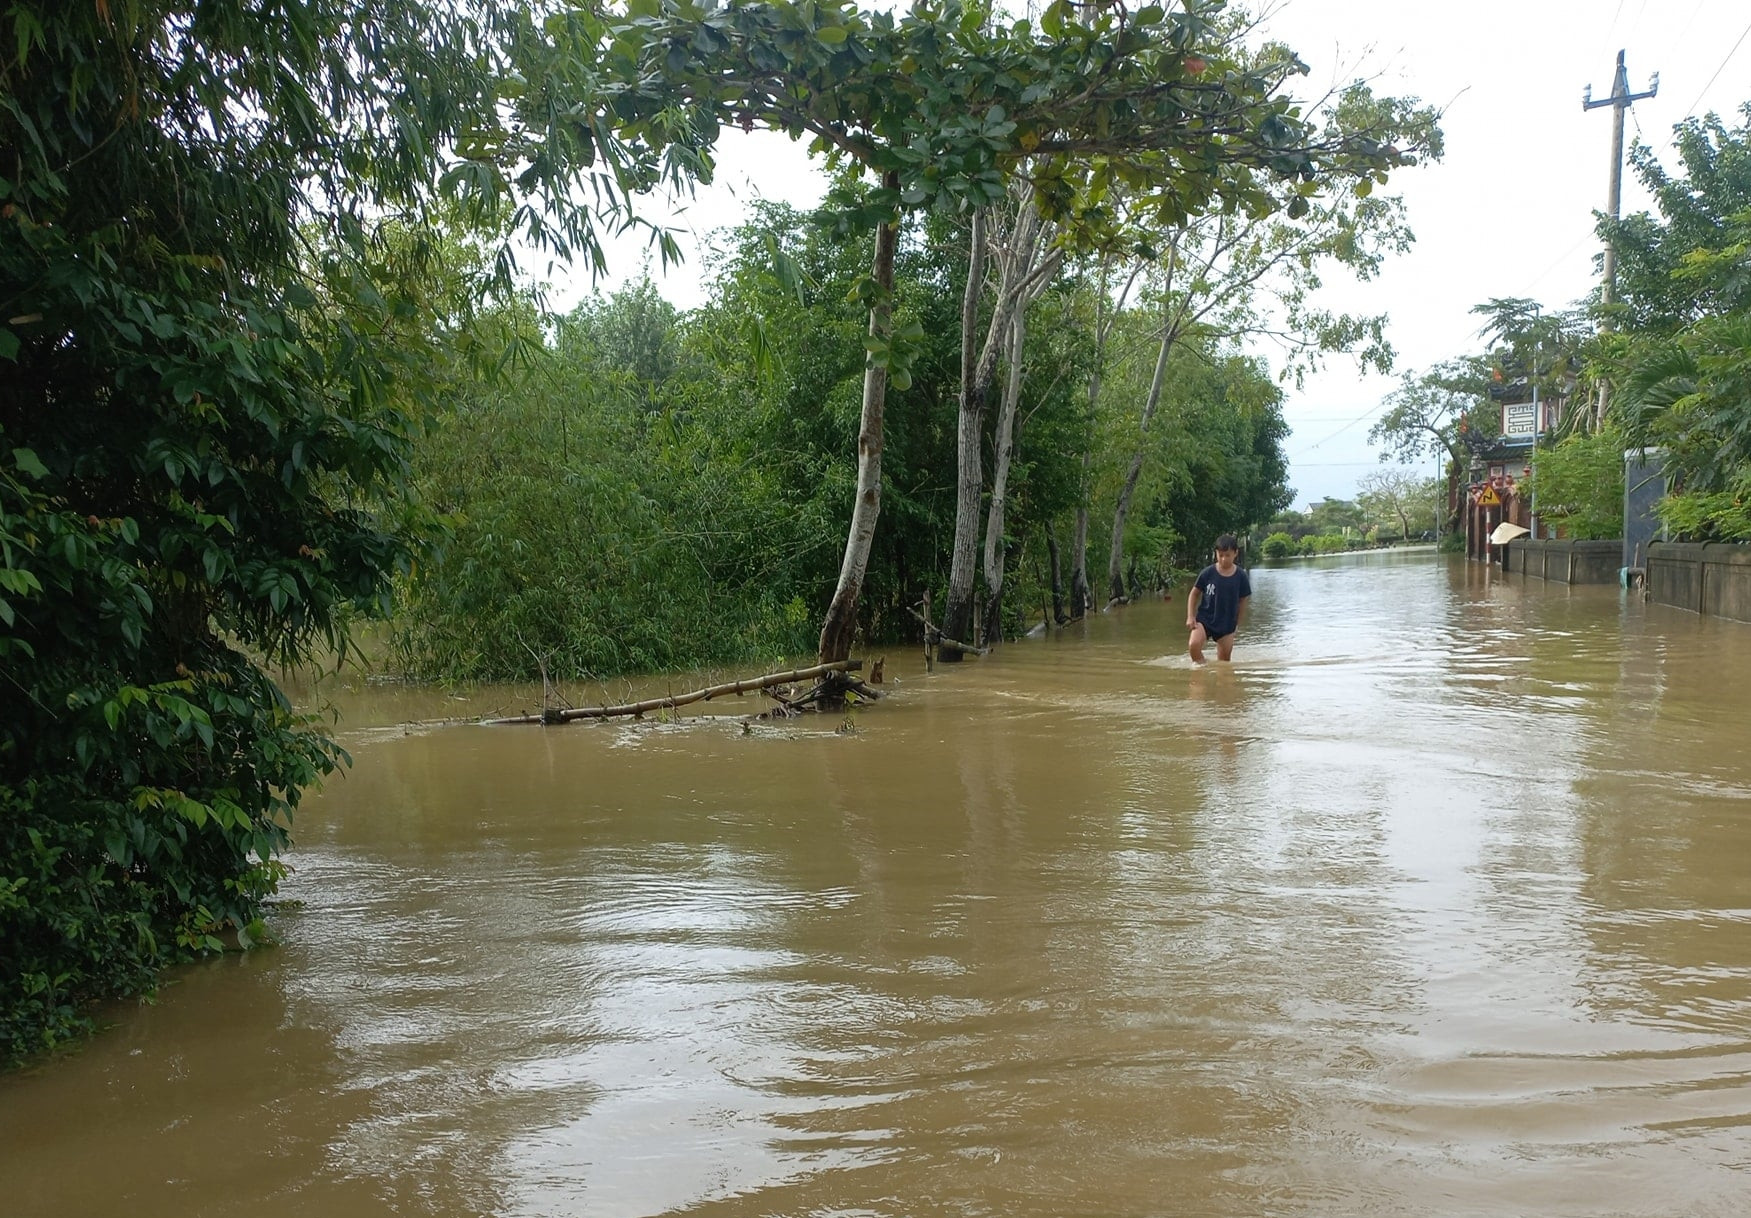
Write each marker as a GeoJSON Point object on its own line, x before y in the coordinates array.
{"type": "Point", "coordinates": [1434, 902]}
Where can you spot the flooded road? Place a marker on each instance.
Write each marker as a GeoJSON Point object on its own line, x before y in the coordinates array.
{"type": "Point", "coordinates": [1436, 902]}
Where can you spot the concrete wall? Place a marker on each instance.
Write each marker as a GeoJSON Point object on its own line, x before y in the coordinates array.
{"type": "Point", "coordinates": [1566, 562]}
{"type": "Point", "coordinates": [1709, 578]}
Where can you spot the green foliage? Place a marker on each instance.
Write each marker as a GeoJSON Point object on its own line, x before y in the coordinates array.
{"type": "Point", "coordinates": [608, 522]}
{"type": "Point", "coordinates": [597, 524]}
{"type": "Point", "coordinates": [1278, 545]}
{"type": "Point", "coordinates": [1578, 485]}
{"type": "Point", "coordinates": [1214, 457]}
{"type": "Point", "coordinates": [1684, 364]}
{"type": "Point", "coordinates": [1447, 409]}
{"type": "Point", "coordinates": [1095, 100]}
{"type": "Point", "coordinates": [1534, 346]}
{"type": "Point", "coordinates": [227, 303]}
{"type": "Point", "coordinates": [1723, 515]}
{"type": "Point", "coordinates": [1656, 294]}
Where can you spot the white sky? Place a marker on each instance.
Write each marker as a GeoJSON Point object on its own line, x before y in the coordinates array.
{"type": "Point", "coordinates": [1507, 212]}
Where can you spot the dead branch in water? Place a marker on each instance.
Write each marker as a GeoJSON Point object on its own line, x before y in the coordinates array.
{"type": "Point", "coordinates": [635, 709]}
{"type": "Point", "coordinates": [825, 694]}
{"type": "Point", "coordinates": [934, 637]}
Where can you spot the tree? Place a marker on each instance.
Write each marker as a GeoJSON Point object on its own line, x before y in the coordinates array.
{"type": "Point", "coordinates": [1031, 268]}
{"type": "Point", "coordinates": [1445, 410]}
{"type": "Point", "coordinates": [1685, 316]}
{"type": "Point", "coordinates": [1656, 293]}
{"type": "Point", "coordinates": [634, 333]}
{"type": "Point", "coordinates": [1214, 464]}
{"type": "Point", "coordinates": [1577, 484]}
{"type": "Point", "coordinates": [944, 107]}
{"type": "Point", "coordinates": [1392, 494]}
{"type": "Point", "coordinates": [1217, 270]}
{"type": "Point", "coordinates": [1539, 353]}
{"type": "Point", "coordinates": [1233, 472]}
{"type": "Point", "coordinates": [1024, 263]}
{"type": "Point", "coordinates": [1107, 308]}
{"type": "Point", "coordinates": [228, 303]}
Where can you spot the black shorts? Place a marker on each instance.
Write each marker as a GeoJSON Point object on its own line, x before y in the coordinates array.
{"type": "Point", "coordinates": [1210, 635]}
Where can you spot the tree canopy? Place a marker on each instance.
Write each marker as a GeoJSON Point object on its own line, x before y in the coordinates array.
{"type": "Point", "coordinates": [226, 310]}
{"type": "Point", "coordinates": [1680, 358]}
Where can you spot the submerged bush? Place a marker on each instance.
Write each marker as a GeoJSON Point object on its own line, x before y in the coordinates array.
{"type": "Point", "coordinates": [1278, 545]}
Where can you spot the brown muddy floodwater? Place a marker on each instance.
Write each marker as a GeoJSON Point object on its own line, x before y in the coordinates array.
{"type": "Point", "coordinates": [1436, 902]}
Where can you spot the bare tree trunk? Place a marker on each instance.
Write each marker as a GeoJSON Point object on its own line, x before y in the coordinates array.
{"type": "Point", "coordinates": [994, 554]}
{"type": "Point", "coordinates": [1021, 275]}
{"type": "Point", "coordinates": [957, 610]}
{"type": "Point", "coordinates": [840, 625]}
{"type": "Point", "coordinates": [1081, 596]}
{"type": "Point", "coordinates": [1057, 576]}
{"type": "Point", "coordinates": [1116, 555]}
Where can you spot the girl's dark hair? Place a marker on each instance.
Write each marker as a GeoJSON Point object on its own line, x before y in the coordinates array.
{"type": "Point", "coordinates": [1227, 542]}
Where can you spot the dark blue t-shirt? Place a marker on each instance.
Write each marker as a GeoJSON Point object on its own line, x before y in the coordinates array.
{"type": "Point", "coordinates": [1219, 607]}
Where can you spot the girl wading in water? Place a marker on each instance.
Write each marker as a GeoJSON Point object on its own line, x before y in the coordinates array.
{"type": "Point", "coordinates": [1216, 605]}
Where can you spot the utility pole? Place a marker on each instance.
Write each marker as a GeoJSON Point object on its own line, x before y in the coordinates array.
{"type": "Point", "coordinates": [1620, 100]}
{"type": "Point", "coordinates": [1537, 430]}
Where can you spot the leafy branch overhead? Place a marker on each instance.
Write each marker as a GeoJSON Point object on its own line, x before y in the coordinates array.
{"type": "Point", "coordinates": [951, 101]}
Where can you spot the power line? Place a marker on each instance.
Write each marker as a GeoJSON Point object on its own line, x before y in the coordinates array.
{"type": "Point", "coordinates": [1718, 71]}
{"type": "Point", "coordinates": [1611, 30]}
{"type": "Point", "coordinates": [1318, 418]}
{"type": "Point", "coordinates": [1694, 13]}
{"type": "Point", "coordinates": [1340, 431]}
{"type": "Point", "coordinates": [1562, 258]}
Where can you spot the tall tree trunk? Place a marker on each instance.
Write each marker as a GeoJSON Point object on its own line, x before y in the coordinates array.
{"type": "Point", "coordinates": [957, 610]}
{"type": "Point", "coordinates": [1057, 576]}
{"type": "Point", "coordinates": [1116, 554]}
{"type": "Point", "coordinates": [994, 553]}
{"type": "Point", "coordinates": [840, 625]}
{"type": "Point", "coordinates": [1081, 595]}
{"type": "Point", "coordinates": [1021, 275]}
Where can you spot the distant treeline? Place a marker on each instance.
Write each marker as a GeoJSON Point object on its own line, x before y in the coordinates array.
{"type": "Point", "coordinates": [644, 488]}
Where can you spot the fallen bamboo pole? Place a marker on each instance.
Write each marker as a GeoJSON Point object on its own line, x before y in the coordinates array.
{"type": "Point", "coordinates": [935, 637]}
{"type": "Point", "coordinates": [698, 695]}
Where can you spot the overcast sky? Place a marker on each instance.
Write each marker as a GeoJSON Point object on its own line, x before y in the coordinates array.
{"type": "Point", "coordinates": [1507, 212]}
